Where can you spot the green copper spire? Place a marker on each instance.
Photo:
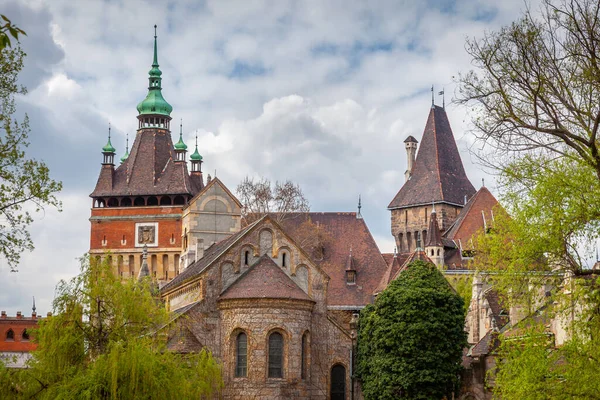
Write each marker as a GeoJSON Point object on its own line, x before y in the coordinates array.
{"type": "Point", "coordinates": [196, 156]}
{"type": "Point", "coordinates": [109, 147]}
{"type": "Point", "coordinates": [154, 103]}
{"type": "Point", "coordinates": [126, 155]}
{"type": "Point", "coordinates": [180, 145]}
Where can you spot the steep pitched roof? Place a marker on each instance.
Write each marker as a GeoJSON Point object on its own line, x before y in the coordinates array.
{"type": "Point", "coordinates": [264, 280]}
{"type": "Point", "coordinates": [476, 214]}
{"type": "Point", "coordinates": [438, 174]}
{"type": "Point", "coordinates": [346, 232]}
{"type": "Point", "coordinates": [210, 255]}
{"type": "Point", "coordinates": [212, 182]}
{"type": "Point", "coordinates": [434, 236]}
{"type": "Point", "coordinates": [395, 263]}
{"type": "Point", "coordinates": [149, 170]}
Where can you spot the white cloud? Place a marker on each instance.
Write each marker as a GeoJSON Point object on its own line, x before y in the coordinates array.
{"type": "Point", "coordinates": [325, 94]}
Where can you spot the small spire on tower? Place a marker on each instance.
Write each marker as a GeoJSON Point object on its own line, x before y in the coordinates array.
{"type": "Point", "coordinates": [432, 98]}
{"type": "Point", "coordinates": [359, 215]}
{"type": "Point", "coordinates": [33, 308]}
{"type": "Point", "coordinates": [126, 155]}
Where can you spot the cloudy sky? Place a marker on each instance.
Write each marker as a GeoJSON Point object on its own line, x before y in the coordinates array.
{"type": "Point", "coordinates": [319, 92]}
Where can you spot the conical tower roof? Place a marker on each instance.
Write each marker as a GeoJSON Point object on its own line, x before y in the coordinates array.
{"type": "Point", "coordinates": [438, 175]}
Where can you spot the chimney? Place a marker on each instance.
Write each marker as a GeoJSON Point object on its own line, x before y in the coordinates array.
{"type": "Point", "coordinates": [19, 315]}
{"type": "Point", "coordinates": [411, 153]}
{"type": "Point", "coordinates": [3, 315]}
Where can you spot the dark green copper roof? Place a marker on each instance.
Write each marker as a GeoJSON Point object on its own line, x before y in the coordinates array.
{"type": "Point", "coordinates": [154, 103]}
{"type": "Point", "coordinates": [196, 156]}
{"type": "Point", "coordinates": [180, 145]}
{"type": "Point", "coordinates": [108, 148]}
{"type": "Point", "coordinates": [126, 155]}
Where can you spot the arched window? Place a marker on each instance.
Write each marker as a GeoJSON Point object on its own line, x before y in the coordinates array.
{"type": "Point", "coordinates": [152, 201]}
{"type": "Point", "coordinates": [126, 202]}
{"type": "Point", "coordinates": [25, 336]}
{"type": "Point", "coordinates": [284, 259]}
{"type": "Point", "coordinates": [241, 355]}
{"type": "Point", "coordinates": [165, 201]}
{"type": "Point", "coordinates": [275, 355]}
{"type": "Point", "coordinates": [304, 356]}
{"type": "Point", "coordinates": [139, 202]}
{"type": "Point", "coordinates": [338, 382]}
{"type": "Point", "coordinates": [179, 200]}
{"type": "Point", "coordinates": [10, 335]}
{"type": "Point", "coordinates": [113, 202]}
{"type": "Point", "coordinates": [246, 257]}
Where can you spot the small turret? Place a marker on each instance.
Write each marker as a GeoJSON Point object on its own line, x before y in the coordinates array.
{"type": "Point", "coordinates": [180, 146]}
{"type": "Point", "coordinates": [434, 247]}
{"type": "Point", "coordinates": [108, 151]}
{"type": "Point", "coordinates": [126, 155]}
{"type": "Point", "coordinates": [411, 152]}
{"type": "Point", "coordinates": [196, 160]}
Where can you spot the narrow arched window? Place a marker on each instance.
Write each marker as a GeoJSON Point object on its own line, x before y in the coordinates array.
{"type": "Point", "coordinates": [338, 382]}
{"type": "Point", "coordinates": [276, 355]}
{"type": "Point", "coordinates": [25, 336]}
{"type": "Point", "coordinates": [246, 257]}
{"type": "Point", "coordinates": [241, 355]}
{"type": "Point", "coordinates": [304, 355]}
{"type": "Point", "coordinates": [10, 335]}
{"type": "Point", "coordinates": [284, 260]}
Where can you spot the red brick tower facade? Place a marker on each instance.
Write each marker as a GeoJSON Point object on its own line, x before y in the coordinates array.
{"type": "Point", "coordinates": [140, 203]}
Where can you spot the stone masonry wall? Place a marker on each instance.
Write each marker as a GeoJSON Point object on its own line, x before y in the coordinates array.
{"type": "Point", "coordinates": [406, 222]}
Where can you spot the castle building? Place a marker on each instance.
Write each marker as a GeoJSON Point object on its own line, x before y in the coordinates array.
{"type": "Point", "coordinates": [276, 300]}
{"type": "Point", "coordinates": [140, 202]}
{"type": "Point", "coordinates": [16, 338]}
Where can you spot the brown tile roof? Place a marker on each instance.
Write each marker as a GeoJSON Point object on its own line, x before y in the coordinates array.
{"type": "Point", "coordinates": [347, 232]}
{"type": "Point", "coordinates": [471, 218]}
{"type": "Point", "coordinates": [438, 174]}
{"type": "Point", "coordinates": [150, 169]}
{"type": "Point", "coordinates": [434, 236]}
{"type": "Point", "coordinates": [486, 345]}
{"type": "Point", "coordinates": [499, 312]}
{"type": "Point", "coordinates": [264, 280]}
{"type": "Point", "coordinates": [210, 255]}
{"type": "Point", "coordinates": [395, 263]}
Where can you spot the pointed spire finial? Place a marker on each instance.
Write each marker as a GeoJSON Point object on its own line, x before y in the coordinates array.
{"type": "Point", "coordinates": [395, 252]}
{"type": "Point", "coordinates": [482, 182]}
{"type": "Point", "coordinates": [33, 308]}
{"type": "Point", "coordinates": [432, 98]}
{"type": "Point", "coordinates": [155, 60]}
{"type": "Point", "coordinates": [359, 215]}
{"type": "Point", "coordinates": [127, 142]}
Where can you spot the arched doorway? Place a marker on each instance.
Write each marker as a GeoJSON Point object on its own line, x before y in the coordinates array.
{"type": "Point", "coordinates": [338, 382]}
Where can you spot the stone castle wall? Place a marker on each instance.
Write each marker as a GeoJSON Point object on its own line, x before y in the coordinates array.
{"type": "Point", "coordinates": [408, 223]}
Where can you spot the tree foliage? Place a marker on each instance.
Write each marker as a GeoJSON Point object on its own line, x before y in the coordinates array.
{"type": "Point", "coordinates": [108, 341]}
{"type": "Point", "coordinates": [535, 95]}
{"type": "Point", "coordinates": [25, 184]}
{"type": "Point", "coordinates": [7, 29]}
{"type": "Point", "coordinates": [536, 83]}
{"type": "Point", "coordinates": [261, 197]}
{"type": "Point", "coordinates": [410, 341]}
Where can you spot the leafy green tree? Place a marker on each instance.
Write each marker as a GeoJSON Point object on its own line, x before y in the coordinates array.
{"type": "Point", "coordinates": [25, 184]}
{"type": "Point", "coordinates": [107, 340]}
{"type": "Point", "coordinates": [410, 341]}
{"type": "Point", "coordinates": [536, 83]}
{"type": "Point", "coordinates": [534, 96]}
{"type": "Point", "coordinates": [7, 28]}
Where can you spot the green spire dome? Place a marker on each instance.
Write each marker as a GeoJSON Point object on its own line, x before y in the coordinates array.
{"type": "Point", "coordinates": [196, 156]}
{"type": "Point", "coordinates": [126, 155]}
{"type": "Point", "coordinates": [180, 145]}
{"type": "Point", "coordinates": [109, 147]}
{"type": "Point", "coordinates": [154, 103]}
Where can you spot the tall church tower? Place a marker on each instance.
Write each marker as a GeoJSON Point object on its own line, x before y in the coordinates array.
{"type": "Point", "coordinates": [435, 178]}
{"type": "Point", "coordinates": [139, 204]}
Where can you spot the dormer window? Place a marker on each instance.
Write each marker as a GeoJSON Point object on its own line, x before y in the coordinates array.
{"type": "Point", "coordinates": [350, 277]}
